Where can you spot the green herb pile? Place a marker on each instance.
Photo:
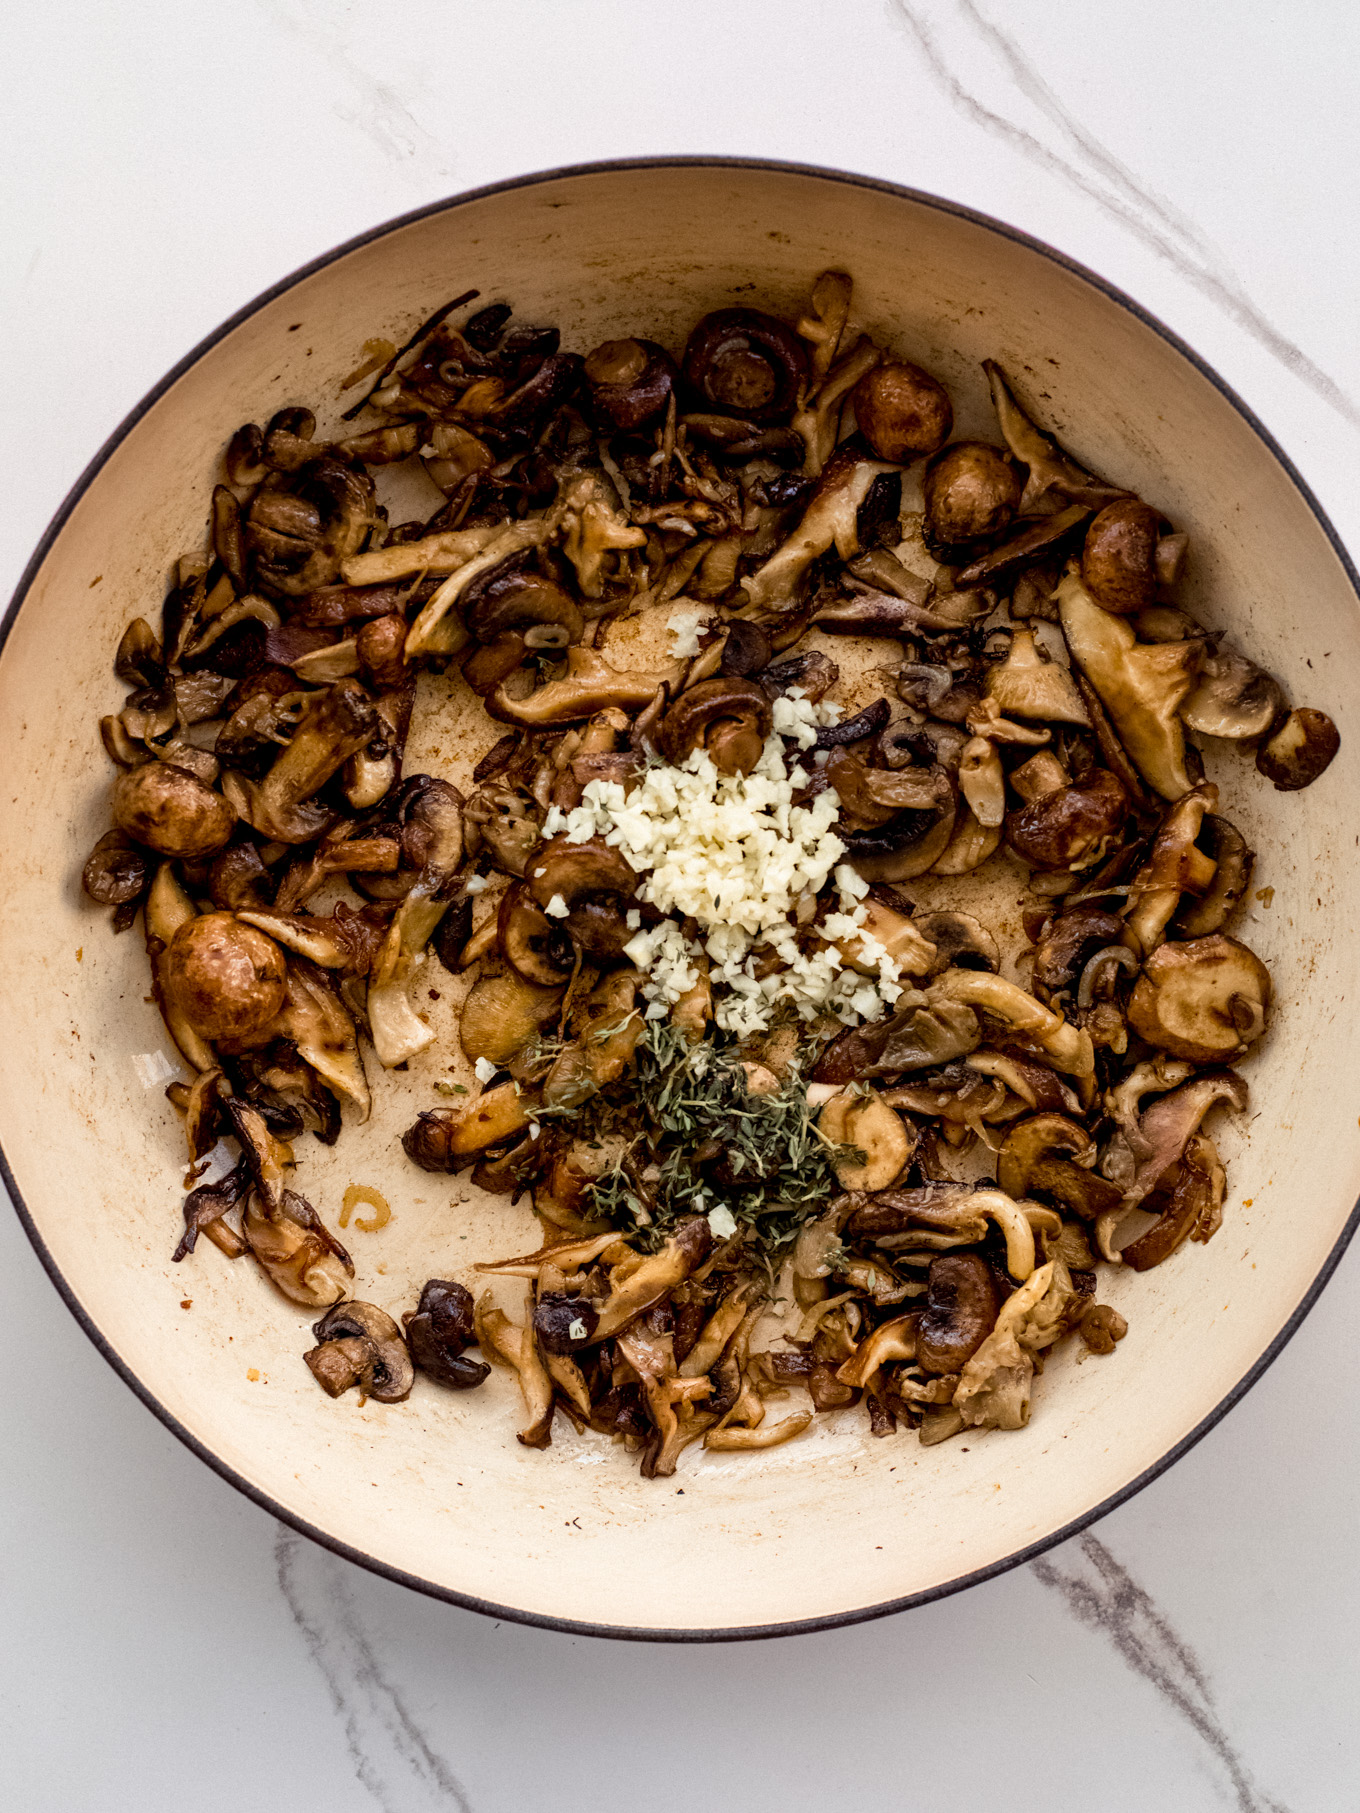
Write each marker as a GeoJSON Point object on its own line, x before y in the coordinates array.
{"type": "Point", "coordinates": [698, 1140]}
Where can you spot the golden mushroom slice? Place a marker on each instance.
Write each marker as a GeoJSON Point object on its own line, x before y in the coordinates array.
{"type": "Point", "coordinates": [1205, 1000]}
{"type": "Point", "coordinates": [861, 1119]}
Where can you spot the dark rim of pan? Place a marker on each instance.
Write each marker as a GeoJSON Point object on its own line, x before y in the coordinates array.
{"type": "Point", "coordinates": [578, 1627]}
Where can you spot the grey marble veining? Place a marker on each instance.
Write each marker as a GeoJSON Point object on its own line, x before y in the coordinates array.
{"type": "Point", "coordinates": [165, 1643]}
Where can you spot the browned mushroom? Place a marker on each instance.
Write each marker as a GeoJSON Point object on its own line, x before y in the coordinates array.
{"type": "Point", "coordinates": [359, 1344]}
{"type": "Point", "coordinates": [744, 363]}
{"type": "Point", "coordinates": [831, 519]}
{"type": "Point", "coordinates": [587, 886]}
{"type": "Point", "coordinates": [1051, 469]}
{"type": "Point", "coordinates": [1119, 559]}
{"type": "Point", "coordinates": [226, 978]}
{"type": "Point", "coordinates": [536, 947]}
{"type": "Point", "coordinates": [1300, 750]}
{"type": "Point", "coordinates": [1141, 685]}
{"type": "Point", "coordinates": [303, 524]}
{"type": "Point", "coordinates": [336, 725]}
{"type": "Point", "coordinates": [914, 1038]}
{"type": "Point", "coordinates": [631, 382]}
{"type": "Point", "coordinates": [902, 411]}
{"type": "Point", "coordinates": [1233, 698]}
{"type": "Point", "coordinates": [971, 491]}
{"type": "Point", "coordinates": [502, 1014]}
{"type": "Point", "coordinates": [961, 1309]}
{"type": "Point", "coordinates": [589, 685]}
{"type": "Point", "coordinates": [1193, 1208]}
{"type": "Point", "coordinates": [170, 810]}
{"type": "Point", "coordinates": [1027, 684]}
{"type": "Point", "coordinates": [865, 1123]}
{"type": "Point", "coordinates": [438, 1331]}
{"type": "Point", "coordinates": [1038, 1156]}
{"type": "Point", "coordinates": [506, 823]}
{"type": "Point", "coordinates": [117, 872]}
{"type": "Point", "coordinates": [727, 718]}
{"type": "Point", "coordinates": [1206, 1000]}
{"type": "Point", "coordinates": [1226, 848]}
{"type": "Point", "coordinates": [1069, 828]}
{"type": "Point", "coordinates": [514, 599]}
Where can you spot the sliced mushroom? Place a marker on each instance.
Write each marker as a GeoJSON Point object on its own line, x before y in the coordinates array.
{"type": "Point", "coordinates": [1140, 685]}
{"type": "Point", "coordinates": [728, 718]}
{"type": "Point", "coordinates": [958, 939]}
{"type": "Point", "coordinates": [1150, 1145]}
{"type": "Point", "coordinates": [294, 1250]}
{"type": "Point", "coordinates": [1071, 827]}
{"type": "Point", "coordinates": [372, 1353]}
{"type": "Point", "coordinates": [658, 1275]}
{"type": "Point", "coordinates": [1051, 469]}
{"type": "Point", "coordinates": [536, 947]}
{"type": "Point", "coordinates": [303, 525]}
{"type": "Point", "coordinates": [1206, 1000]}
{"type": "Point", "coordinates": [866, 1123]}
{"type": "Point", "coordinates": [1233, 698]}
{"type": "Point", "coordinates": [902, 411]}
{"type": "Point", "coordinates": [1175, 866]}
{"type": "Point", "coordinates": [1038, 1156]}
{"type": "Point", "coordinates": [117, 872]}
{"type": "Point", "coordinates": [982, 781]}
{"type": "Point", "coordinates": [1300, 750]}
{"type": "Point", "coordinates": [505, 822]}
{"type": "Point", "coordinates": [438, 1331]}
{"type": "Point", "coordinates": [744, 363]}
{"type": "Point", "coordinates": [961, 1309]}
{"type": "Point", "coordinates": [1067, 945]}
{"type": "Point", "coordinates": [511, 599]}
{"type": "Point", "coordinates": [589, 887]}
{"type": "Point", "coordinates": [1037, 541]}
{"type": "Point", "coordinates": [887, 922]}
{"type": "Point", "coordinates": [971, 491]}
{"type": "Point", "coordinates": [1226, 848]}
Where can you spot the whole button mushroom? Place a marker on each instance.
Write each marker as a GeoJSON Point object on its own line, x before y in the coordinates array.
{"type": "Point", "coordinates": [971, 490]}
{"type": "Point", "coordinates": [631, 382]}
{"type": "Point", "coordinates": [170, 810]}
{"type": "Point", "coordinates": [902, 411]}
{"type": "Point", "coordinates": [741, 362]}
{"type": "Point", "coordinates": [226, 978]}
{"type": "Point", "coordinates": [1205, 1000]}
{"type": "Point", "coordinates": [1119, 561]}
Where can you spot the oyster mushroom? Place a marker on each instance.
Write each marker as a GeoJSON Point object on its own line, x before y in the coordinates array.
{"type": "Point", "coordinates": [727, 717]}
{"type": "Point", "coordinates": [224, 977]}
{"type": "Point", "coordinates": [594, 884]}
{"type": "Point", "coordinates": [902, 411]}
{"type": "Point", "coordinates": [898, 822]}
{"type": "Point", "coordinates": [971, 490]}
{"type": "Point", "coordinates": [982, 781]}
{"type": "Point", "coordinates": [917, 1037]}
{"type": "Point", "coordinates": [1300, 750]}
{"type": "Point", "coordinates": [589, 685]}
{"type": "Point", "coordinates": [294, 1250]}
{"type": "Point", "coordinates": [744, 363]}
{"type": "Point", "coordinates": [171, 811]}
{"type": "Point", "coordinates": [1068, 1047]}
{"type": "Point", "coordinates": [1148, 1145]}
{"type": "Point", "coordinates": [502, 1014]}
{"type": "Point", "coordinates": [631, 382]}
{"type": "Point", "coordinates": [958, 939]}
{"type": "Point", "coordinates": [1141, 685]}
{"type": "Point", "coordinates": [438, 630]}
{"type": "Point", "coordinates": [1206, 1000]}
{"type": "Point", "coordinates": [868, 1124]}
{"type": "Point", "coordinates": [511, 1344]}
{"type": "Point", "coordinates": [1051, 469]}
{"type": "Point", "coordinates": [443, 1139]}
{"type": "Point", "coordinates": [1036, 542]}
{"type": "Point", "coordinates": [1027, 684]}
{"type": "Point", "coordinates": [1233, 698]}
{"type": "Point", "coordinates": [359, 1344]}
{"type": "Point", "coordinates": [397, 1032]}
{"type": "Point", "coordinates": [337, 724]}
{"type": "Point", "coordinates": [438, 1331]}
{"type": "Point", "coordinates": [830, 520]}
{"type": "Point", "coordinates": [962, 1302]}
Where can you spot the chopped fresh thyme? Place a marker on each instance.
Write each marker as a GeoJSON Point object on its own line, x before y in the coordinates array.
{"type": "Point", "coordinates": [699, 1140]}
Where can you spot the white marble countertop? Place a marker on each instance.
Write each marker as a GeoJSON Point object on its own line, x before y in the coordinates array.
{"type": "Point", "coordinates": [165, 1643]}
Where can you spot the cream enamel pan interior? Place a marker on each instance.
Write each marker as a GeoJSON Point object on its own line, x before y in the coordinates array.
{"type": "Point", "coordinates": [436, 1491]}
